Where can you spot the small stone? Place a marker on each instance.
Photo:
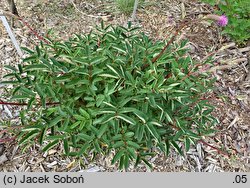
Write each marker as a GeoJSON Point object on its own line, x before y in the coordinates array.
{"type": "Point", "coordinates": [2, 148]}
{"type": "Point", "coordinates": [52, 151]}
{"type": "Point", "coordinates": [52, 164]}
{"type": "Point", "coordinates": [3, 159]}
{"type": "Point", "coordinates": [8, 49]}
{"type": "Point", "coordinates": [94, 169]}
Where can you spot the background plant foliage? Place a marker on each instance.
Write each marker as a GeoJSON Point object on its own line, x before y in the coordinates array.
{"type": "Point", "coordinates": [105, 98]}
{"type": "Point", "coordinates": [238, 13]}
{"type": "Point", "coordinates": [127, 6]}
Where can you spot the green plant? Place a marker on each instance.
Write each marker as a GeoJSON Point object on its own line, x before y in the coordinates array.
{"type": "Point", "coordinates": [126, 6]}
{"type": "Point", "coordinates": [101, 92]}
{"type": "Point", "coordinates": [238, 13]}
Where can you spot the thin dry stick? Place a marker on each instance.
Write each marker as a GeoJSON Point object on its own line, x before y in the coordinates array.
{"type": "Point", "coordinates": [228, 65]}
{"type": "Point", "coordinates": [13, 7]}
{"type": "Point", "coordinates": [217, 51]}
{"type": "Point", "coordinates": [84, 14]}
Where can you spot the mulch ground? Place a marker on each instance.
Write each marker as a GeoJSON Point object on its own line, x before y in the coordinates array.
{"type": "Point", "coordinates": [159, 20]}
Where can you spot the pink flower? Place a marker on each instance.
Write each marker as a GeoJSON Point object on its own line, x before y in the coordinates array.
{"type": "Point", "coordinates": [221, 20]}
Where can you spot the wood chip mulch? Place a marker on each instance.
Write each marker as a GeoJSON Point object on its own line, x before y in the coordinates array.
{"type": "Point", "coordinates": [231, 68]}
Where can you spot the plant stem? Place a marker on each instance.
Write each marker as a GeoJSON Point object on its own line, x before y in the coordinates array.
{"type": "Point", "coordinates": [7, 139]}
{"type": "Point", "coordinates": [183, 24]}
{"type": "Point", "coordinates": [163, 50]}
{"type": "Point", "coordinates": [24, 104]}
{"type": "Point", "coordinates": [41, 38]}
{"type": "Point", "coordinates": [33, 31]}
{"type": "Point", "coordinates": [217, 149]}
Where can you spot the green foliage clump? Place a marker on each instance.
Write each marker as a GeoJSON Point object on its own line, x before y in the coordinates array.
{"type": "Point", "coordinates": [238, 13]}
{"type": "Point", "coordinates": [94, 94]}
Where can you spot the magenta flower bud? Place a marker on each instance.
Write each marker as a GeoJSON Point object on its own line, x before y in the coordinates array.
{"type": "Point", "coordinates": [221, 20]}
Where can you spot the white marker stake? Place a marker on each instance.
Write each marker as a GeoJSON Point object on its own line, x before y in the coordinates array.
{"type": "Point", "coordinates": [134, 10]}
{"type": "Point", "coordinates": [11, 35]}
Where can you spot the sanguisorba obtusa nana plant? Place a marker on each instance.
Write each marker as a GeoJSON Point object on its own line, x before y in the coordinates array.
{"type": "Point", "coordinates": [94, 94]}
